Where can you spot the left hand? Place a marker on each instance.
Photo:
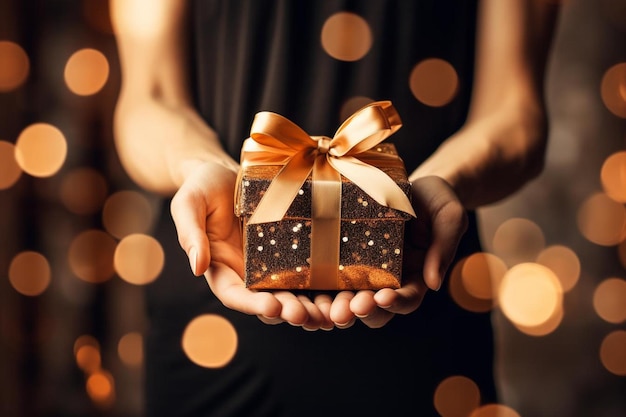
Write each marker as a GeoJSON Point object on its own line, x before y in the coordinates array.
{"type": "Point", "coordinates": [430, 245]}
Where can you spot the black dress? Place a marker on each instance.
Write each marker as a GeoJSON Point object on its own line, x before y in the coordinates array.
{"type": "Point", "coordinates": [266, 55]}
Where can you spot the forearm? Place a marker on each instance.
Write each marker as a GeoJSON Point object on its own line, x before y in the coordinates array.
{"type": "Point", "coordinates": [502, 144]}
{"type": "Point", "coordinates": [158, 134]}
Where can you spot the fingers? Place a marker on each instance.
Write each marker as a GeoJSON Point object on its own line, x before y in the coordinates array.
{"type": "Point", "coordinates": [228, 287]}
{"type": "Point", "coordinates": [340, 312]}
{"type": "Point", "coordinates": [448, 226]}
{"type": "Point", "coordinates": [189, 215]}
{"type": "Point", "coordinates": [437, 202]}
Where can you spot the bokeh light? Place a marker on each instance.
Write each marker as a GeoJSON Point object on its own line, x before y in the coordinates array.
{"type": "Point", "coordinates": [613, 89]}
{"type": "Point", "coordinates": [434, 82]}
{"type": "Point", "coordinates": [461, 296]}
{"type": "Point", "coordinates": [84, 340]}
{"type": "Point", "coordinates": [546, 327]}
{"type": "Point", "coordinates": [602, 220]}
{"type": "Point", "coordinates": [130, 349]}
{"type": "Point", "coordinates": [29, 273]}
{"type": "Point", "coordinates": [530, 294]}
{"type": "Point", "coordinates": [613, 352]}
{"type": "Point", "coordinates": [127, 212]}
{"type": "Point", "coordinates": [456, 396]}
{"type": "Point", "coordinates": [518, 240]}
{"type": "Point", "coordinates": [86, 72]}
{"type": "Point", "coordinates": [346, 36]}
{"type": "Point", "coordinates": [613, 176]}
{"type": "Point", "coordinates": [139, 259]}
{"type": "Point", "coordinates": [90, 256]}
{"type": "Point", "coordinates": [10, 171]}
{"type": "Point", "coordinates": [15, 66]}
{"type": "Point", "coordinates": [481, 275]}
{"type": "Point", "coordinates": [495, 410]}
{"type": "Point", "coordinates": [609, 300]}
{"type": "Point", "coordinates": [210, 341]}
{"type": "Point", "coordinates": [352, 105]}
{"type": "Point", "coordinates": [101, 388]}
{"type": "Point", "coordinates": [83, 190]}
{"type": "Point", "coordinates": [41, 150]}
{"type": "Point", "coordinates": [564, 262]}
{"type": "Point", "coordinates": [88, 358]}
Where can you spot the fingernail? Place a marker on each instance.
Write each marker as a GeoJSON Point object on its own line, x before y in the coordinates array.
{"type": "Point", "coordinates": [193, 260]}
{"type": "Point", "coordinates": [361, 316]}
{"type": "Point", "coordinates": [385, 307]}
{"type": "Point", "coordinates": [309, 329]}
{"type": "Point", "coordinates": [327, 329]}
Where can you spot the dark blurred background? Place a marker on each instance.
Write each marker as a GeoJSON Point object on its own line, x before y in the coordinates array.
{"type": "Point", "coordinates": [72, 227]}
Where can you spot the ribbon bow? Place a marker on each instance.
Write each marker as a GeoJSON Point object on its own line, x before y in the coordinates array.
{"type": "Point", "coordinates": [275, 140]}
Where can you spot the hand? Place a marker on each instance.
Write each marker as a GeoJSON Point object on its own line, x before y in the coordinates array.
{"type": "Point", "coordinates": [430, 245]}
{"type": "Point", "coordinates": [209, 233]}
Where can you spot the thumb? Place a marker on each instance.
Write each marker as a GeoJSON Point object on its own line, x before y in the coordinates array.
{"type": "Point", "coordinates": [189, 214]}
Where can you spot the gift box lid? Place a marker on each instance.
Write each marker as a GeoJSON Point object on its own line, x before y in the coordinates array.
{"type": "Point", "coordinates": [355, 203]}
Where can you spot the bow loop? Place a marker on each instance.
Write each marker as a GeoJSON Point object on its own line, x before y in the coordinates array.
{"type": "Point", "coordinates": [275, 139]}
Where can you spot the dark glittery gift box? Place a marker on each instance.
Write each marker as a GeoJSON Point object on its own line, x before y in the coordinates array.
{"type": "Point", "coordinates": [277, 254]}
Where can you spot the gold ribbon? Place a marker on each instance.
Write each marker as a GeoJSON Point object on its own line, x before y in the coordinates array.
{"type": "Point", "coordinates": [275, 140]}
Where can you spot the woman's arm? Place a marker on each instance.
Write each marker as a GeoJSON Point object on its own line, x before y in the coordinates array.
{"type": "Point", "coordinates": [167, 148]}
{"type": "Point", "coordinates": [159, 135]}
{"type": "Point", "coordinates": [502, 145]}
{"type": "Point", "coordinates": [499, 149]}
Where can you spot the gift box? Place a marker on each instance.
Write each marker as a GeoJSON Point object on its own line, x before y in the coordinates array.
{"type": "Point", "coordinates": [323, 213]}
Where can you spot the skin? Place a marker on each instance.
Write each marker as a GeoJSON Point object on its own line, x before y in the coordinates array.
{"type": "Point", "coordinates": [167, 148]}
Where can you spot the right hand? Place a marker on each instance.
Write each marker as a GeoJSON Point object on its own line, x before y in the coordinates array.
{"type": "Point", "coordinates": [209, 232]}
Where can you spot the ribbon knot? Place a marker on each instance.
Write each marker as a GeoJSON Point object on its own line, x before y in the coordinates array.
{"type": "Point", "coordinates": [275, 140]}
{"type": "Point", "coordinates": [323, 144]}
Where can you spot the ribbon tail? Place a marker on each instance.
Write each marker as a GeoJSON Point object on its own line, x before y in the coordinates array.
{"type": "Point", "coordinates": [374, 182]}
{"type": "Point", "coordinates": [283, 189]}
{"type": "Point", "coordinates": [325, 225]}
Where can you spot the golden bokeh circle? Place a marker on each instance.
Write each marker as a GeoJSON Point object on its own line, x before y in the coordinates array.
{"type": "Point", "coordinates": [613, 89]}
{"type": "Point", "coordinates": [130, 349]}
{"type": "Point", "coordinates": [29, 273]}
{"type": "Point", "coordinates": [100, 387]}
{"type": "Point", "coordinates": [88, 358]}
{"type": "Point", "coordinates": [41, 150]}
{"type": "Point", "coordinates": [127, 212]}
{"type": "Point", "coordinates": [518, 240]}
{"type": "Point", "coordinates": [495, 410]}
{"type": "Point", "coordinates": [84, 340]}
{"type": "Point", "coordinates": [530, 294]}
{"type": "Point", "coordinates": [564, 262]}
{"type": "Point", "coordinates": [139, 259]}
{"type": "Point", "coordinates": [456, 396]}
{"type": "Point", "coordinates": [210, 341]}
{"type": "Point", "coordinates": [15, 66]}
{"type": "Point", "coordinates": [90, 256]}
{"type": "Point", "coordinates": [461, 296]}
{"type": "Point", "coordinates": [612, 352]}
{"type": "Point", "coordinates": [613, 176]}
{"type": "Point", "coordinates": [10, 171]}
{"type": "Point", "coordinates": [346, 36]}
{"type": "Point", "coordinates": [602, 220]}
{"type": "Point", "coordinates": [434, 82]}
{"type": "Point", "coordinates": [545, 328]}
{"type": "Point", "coordinates": [86, 72]}
{"type": "Point", "coordinates": [609, 300]}
{"type": "Point", "coordinates": [481, 275]}
{"type": "Point", "coordinates": [83, 190]}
